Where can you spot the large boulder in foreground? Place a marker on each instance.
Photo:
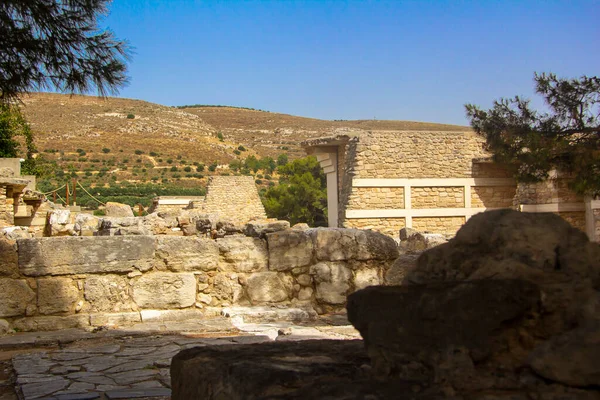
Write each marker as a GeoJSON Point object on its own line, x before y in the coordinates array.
{"type": "Point", "coordinates": [511, 305]}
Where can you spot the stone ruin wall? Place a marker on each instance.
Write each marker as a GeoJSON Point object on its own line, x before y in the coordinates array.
{"type": "Point", "coordinates": [6, 207]}
{"type": "Point", "coordinates": [235, 197]}
{"type": "Point", "coordinates": [65, 282]}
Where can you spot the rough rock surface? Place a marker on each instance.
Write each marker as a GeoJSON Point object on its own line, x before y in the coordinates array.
{"type": "Point", "coordinates": [242, 254]}
{"type": "Point", "coordinates": [57, 295]}
{"type": "Point", "coordinates": [113, 209]}
{"type": "Point", "coordinates": [15, 294]}
{"type": "Point", "coordinates": [509, 308]}
{"type": "Point", "coordinates": [266, 287]}
{"type": "Point", "coordinates": [192, 253]}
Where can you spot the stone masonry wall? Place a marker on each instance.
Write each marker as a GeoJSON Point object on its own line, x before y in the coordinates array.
{"type": "Point", "coordinates": [412, 154]}
{"type": "Point", "coordinates": [376, 198]}
{"type": "Point", "coordinates": [234, 197]}
{"type": "Point", "coordinates": [575, 218]}
{"type": "Point", "coordinates": [492, 196]}
{"type": "Point", "coordinates": [6, 210]}
{"type": "Point", "coordinates": [437, 197]}
{"type": "Point", "coordinates": [446, 225]}
{"type": "Point", "coordinates": [387, 226]}
{"type": "Point", "coordinates": [551, 191]}
{"type": "Point", "coordinates": [65, 282]}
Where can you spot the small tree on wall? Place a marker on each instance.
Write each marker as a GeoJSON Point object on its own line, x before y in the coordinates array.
{"type": "Point", "coordinates": [567, 138]}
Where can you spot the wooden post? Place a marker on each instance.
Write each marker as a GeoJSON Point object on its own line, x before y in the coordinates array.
{"type": "Point", "coordinates": [74, 191]}
{"type": "Point", "coordinates": [54, 197]}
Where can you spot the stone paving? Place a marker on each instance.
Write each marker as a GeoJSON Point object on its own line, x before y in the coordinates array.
{"type": "Point", "coordinates": [134, 364]}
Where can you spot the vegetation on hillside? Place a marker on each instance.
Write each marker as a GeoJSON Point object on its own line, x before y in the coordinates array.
{"type": "Point", "coordinates": [301, 195]}
{"type": "Point", "coordinates": [534, 143]}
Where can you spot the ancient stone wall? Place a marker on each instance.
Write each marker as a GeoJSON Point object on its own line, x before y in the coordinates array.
{"type": "Point", "coordinates": [64, 282]}
{"type": "Point", "coordinates": [234, 197]}
{"type": "Point", "coordinates": [413, 154]}
{"type": "Point", "coordinates": [438, 224]}
{"type": "Point", "coordinates": [380, 198]}
{"type": "Point", "coordinates": [6, 209]}
{"type": "Point", "coordinates": [552, 191]}
{"type": "Point", "coordinates": [437, 197]}
{"type": "Point", "coordinates": [387, 226]}
{"type": "Point", "coordinates": [492, 196]}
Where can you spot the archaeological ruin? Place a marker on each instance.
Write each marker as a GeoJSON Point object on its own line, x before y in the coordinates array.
{"type": "Point", "coordinates": [431, 181]}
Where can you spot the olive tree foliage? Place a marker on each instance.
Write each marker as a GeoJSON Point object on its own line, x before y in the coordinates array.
{"type": "Point", "coordinates": [565, 138]}
{"type": "Point", "coordinates": [47, 44]}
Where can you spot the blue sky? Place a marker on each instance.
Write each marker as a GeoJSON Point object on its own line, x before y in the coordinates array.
{"type": "Point", "coordinates": [405, 60]}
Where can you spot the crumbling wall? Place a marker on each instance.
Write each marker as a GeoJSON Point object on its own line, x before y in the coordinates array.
{"type": "Point", "coordinates": [64, 282]}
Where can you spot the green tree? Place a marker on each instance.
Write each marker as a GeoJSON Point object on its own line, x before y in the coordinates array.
{"type": "Point", "coordinates": [282, 159]}
{"type": "Point", "coordinates": [567, 138]}
{"type": "Point", "coordinates": [57, 44]}
{"type": "Point", "coordinates": [302, 195]}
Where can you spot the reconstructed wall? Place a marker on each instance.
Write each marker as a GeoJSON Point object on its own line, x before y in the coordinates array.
{"type": "Point", "coordinates": [437, 197]}
{"type": "Point", "coordinates": [412, 156]}
{"type": "Point", "coordinates": [235, 197]}
{"type": "Point", "coordinates": [387, 226]}
{"type": "Point", "coordinates": [381, 198]}
{"type": "Point", "coordinates": [493, 196]}
{"type": "Point", "coordinates": [438, 224]}
{"type": "Point", "coordinates": [64, 282]}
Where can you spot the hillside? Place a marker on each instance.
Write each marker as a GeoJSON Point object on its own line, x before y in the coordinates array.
{"type": "Point", "coordinates": [122, 144]}
{"type": "Point", "coordinates": [268, 133]}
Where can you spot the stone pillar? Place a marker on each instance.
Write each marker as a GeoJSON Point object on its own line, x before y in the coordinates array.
{"type": "Point", "coordinates": [328, 161]}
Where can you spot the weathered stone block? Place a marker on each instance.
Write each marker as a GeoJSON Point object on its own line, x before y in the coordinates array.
{"type": "Point", "coordinates": [226, 287]}
{"type": "Point", "coordinates": [108, 293]}
{"type": "Point", "coordinates": [242, 254]}
{"type": "Point", "coordinates": [15, 294]}
{"type": "Point", "coordinates": [80, 255]}
{"type": "Point", "coordinates": [115, 319]}
{"type": "Point", "coordinates": [269, 370]}
{"type": "Point", "coordinates": [266, 287]}
{"type": "Point", "coordinates": [366, 277]}
{"type": "Point", "coordinates": [289, 249]}
{"type": "Point", "coordinates": [51, 323]}
{"type": "Point", "coordinates": [338, 244]}
{"type": "Point", "coordinates": [113, 209]}
{"type": "Point", "coordinates": [332, 281]}
{"type": "Point", "coordinates": [187, 253]}
{"type": "Point", "coordinates": [397, 321]}
{"type": "Point", "coordinates": [189, 315]}
{"type": "Point", "coordinates": [262, 228]}
{"type": "Point", "coordinates": [57, 295]}
{"type": "Point", "coordinates": [9, 261]}
{"type": "Point", "coordinates": [165, 290]}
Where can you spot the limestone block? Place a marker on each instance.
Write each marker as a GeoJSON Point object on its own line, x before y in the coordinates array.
{"type": "Point", "coordinates": [115, 319]}
{"type": "Point", "coordinates": [396, 321]}
{"type": "Point", "coordinates": [366, 277]}
{"type": "Point", "coordinates": [289, 249]}
{"type": "Point", "coordinates": [189, 253]}
{"type": "Point", "coordinates": [51, 323]}
{"type": "Point", "coordinates": [338, 244]}
{"type": "Point", "coordinates": [113, 209]}
{"type": "Point", "coordinates": [57, 295]}
{"type": "Point", "coordinates": [242, 254]}
{"type": "Point", "coordinates": [122, 226]}
{"type": "Point", "coordinates": [262, 228]}
{"type": "Point", "coordinates": [15, 294]}
{"type": "Point", "coordinates": [9, 265]}
{"type": "Point", "coordinates": [80, 255]}
{"type": "Point", "coordinates": [187, 315]}
{"type": "Point", "coordinates": [163, 290]}
{"type": "Point", "coordinates": [402, 267]}
{"type": "Point", "coordinates": [305, 294]}
{"type": "Point", "coordinates": [86, 224]}
{"type": "Point", "coordinates": [159, 223]}
{"type": "Point", "coordinates": [226, 287]}
{"type": "Point", "coordinates": [332, 281]}
{"type": "Point", "coordinates": [4, 327]}
{"type": "Point", "coordinates": [107, 293]}
{"type": "Point", "coordinates": [304, 279]}
{"type": "Point", "coordinates": [266, 287]}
